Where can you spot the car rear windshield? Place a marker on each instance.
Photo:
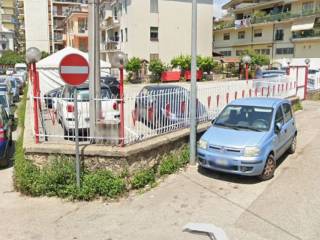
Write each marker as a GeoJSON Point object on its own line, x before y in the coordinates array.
{"type": "Point", "coordinates": [83, 94]}
{"type": "Point", "coordinates": [249, 118]}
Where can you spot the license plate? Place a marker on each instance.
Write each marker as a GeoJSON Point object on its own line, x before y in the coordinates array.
{"type": "Point", "coordinates": [222, 162]}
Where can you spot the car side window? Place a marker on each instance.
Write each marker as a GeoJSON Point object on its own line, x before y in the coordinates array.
{"type": "Point", "coordinates": [279, 116]}
{"type": "Point", "coordinates": [287, 112]}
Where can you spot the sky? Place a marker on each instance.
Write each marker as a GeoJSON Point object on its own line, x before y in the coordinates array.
{"type": "Point", "coordinates": [217, 7]}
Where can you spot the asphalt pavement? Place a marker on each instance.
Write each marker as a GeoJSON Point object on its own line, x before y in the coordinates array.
{"type": "Point", "coordinates": [287, 207]}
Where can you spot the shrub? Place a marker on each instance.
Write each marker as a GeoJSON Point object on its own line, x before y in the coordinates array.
{"type": "Point", "coordinates": [297, 106]}
{"type": "Point", "coordinates": [156, 67]}
{"type": "Point", "coordinates": [174, 162]}
{"type": "Point", "coordinates": [206, 64]}
{"type": "Point", "coordinates": [133, 67]}
{"type": "Point", "coordinates": [257, 59]}
{"type": "Point", "coordinates": [143, 178]}
{"type": "Point", "coordinates": [183, 62]}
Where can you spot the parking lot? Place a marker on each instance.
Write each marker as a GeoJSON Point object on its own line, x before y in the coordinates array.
{"type": "Point", "coordinates": [287, 207]}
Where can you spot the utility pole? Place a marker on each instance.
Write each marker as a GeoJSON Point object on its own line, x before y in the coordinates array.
{"type": "Point", "coordinates": [94, 63]}
{"type": "Point", "coordinates": [193, 103]}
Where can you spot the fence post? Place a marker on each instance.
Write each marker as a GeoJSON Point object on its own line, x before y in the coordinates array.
{"type": "Point", "coordinates": [35, 82]}
{"type": "Point", "coordinates": [306, 82]}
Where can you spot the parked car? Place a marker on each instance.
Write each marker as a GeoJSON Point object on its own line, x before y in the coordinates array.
{"type": "Point", "coordinates": [5, 136]}
{"type": "Point", "coordinates": [15, 88]}
{"type": "Point", "coordinates": [113, 84]}
{"type": "Point", "coordinates": [6, 104]}
{"type": "Point", "coordinates": [158, 106]}
{"type": "Point", "coordinates": [9, 71]}
{"type": "Point", "coordinates": [20, 81]}
{"type": "Point", "coordinates": [51, 98]}
{"type": "Point", "coordinates": [248, 137]}
{"type": "Point", "coordinates": [65, 108]}
{"type": "Point", "coordinates": [314, 79]}
{"type": "Point", "coordinates": [20, 67]}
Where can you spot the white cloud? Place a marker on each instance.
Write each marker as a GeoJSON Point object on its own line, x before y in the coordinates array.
{"type": "Point", "coordinates": [217, 4]}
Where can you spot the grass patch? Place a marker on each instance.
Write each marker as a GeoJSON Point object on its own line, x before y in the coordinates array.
{"type": "Point", "coordinates": [58, 178]}
{"type": "Point", "coordinates": [315, 96]}
{"type": "Point", "coordinates": [143, 178]}
{"type": "Point", "coordinates": [297, 106]}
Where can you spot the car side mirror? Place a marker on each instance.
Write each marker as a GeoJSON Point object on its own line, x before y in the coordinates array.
{"type": "Point", "coordinates": [278, 127]}
{"type": "Point", "coordinates": [212, 121]}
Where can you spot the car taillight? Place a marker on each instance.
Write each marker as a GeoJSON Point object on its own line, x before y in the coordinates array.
{"type": "Point", "coordinates": [115, 106]}
{"type": "Point", "coordinates": [168, 110]}
{"type": "Point", "coordinates": [70, 108]}
{"type": "Point", "coordinates": [2, 134]}
{"type": "Point", "coordinates": [150, 113]}
{"type": "Point", "coordinates": [183, 106]}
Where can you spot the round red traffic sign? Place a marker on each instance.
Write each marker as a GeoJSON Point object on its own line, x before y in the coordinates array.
{"type": "Point", "coordinates": [74, 69]}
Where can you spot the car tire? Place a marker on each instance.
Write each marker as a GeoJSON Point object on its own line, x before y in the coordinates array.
{"type": "Point", "coordinates": [269, 169]}
{"type": "Point", "coordinates": [293, 146]}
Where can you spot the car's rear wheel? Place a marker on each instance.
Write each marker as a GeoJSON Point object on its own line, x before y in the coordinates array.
{"type": "Point", "coordinates": [269, 169]}
{"type": "Point", "coordinates": [293, 145]}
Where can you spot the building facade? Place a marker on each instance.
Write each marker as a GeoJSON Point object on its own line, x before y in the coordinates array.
{"type": "Point", "coordinates": [276, 28]}
{"type": "Point", "coordinates": [153, 29]}
{"type": "Point", "coordinates": [7, 25]}
{"type": "Point", "coordinates": [76, 25]}
{"type": "Point", "coordinates": [20, 30]}
{"type": "Point", "coordinates": [44, 22]}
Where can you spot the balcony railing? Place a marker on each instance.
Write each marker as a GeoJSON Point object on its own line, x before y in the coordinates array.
{"type": "Point", "coordinates": [110, 46]}
{"type": "Point", "coordinates": [306, 34]}
{"type": "Point", "coordinates": [270, 18]}
{"type": "Point", "coordinates": [110, 23]}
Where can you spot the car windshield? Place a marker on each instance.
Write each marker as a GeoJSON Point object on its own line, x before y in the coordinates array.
{"type": "Point", "coordinates": [312, 71]}
{"type": "Point", "coordinates": [249, 118]}
{"type": "Point", "coordinates": [3, 101]}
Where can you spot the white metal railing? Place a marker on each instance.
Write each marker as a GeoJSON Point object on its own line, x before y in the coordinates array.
{"type": "Point", "coordinates": [148, 110]}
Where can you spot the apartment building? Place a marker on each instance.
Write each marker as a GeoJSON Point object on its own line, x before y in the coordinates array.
{"type": "Point", "coordinates": [44, 22]}
{"type": "Point", "coordinates": [20, 30]}
{"type": "Point", "coordinates": [276, 28]}
{"type": "Point", "coordinates": [151, 29]}
{"type": "Point", "coordinates": [76, 25]}
{"type": "Point", "coordinates": [7, 25]}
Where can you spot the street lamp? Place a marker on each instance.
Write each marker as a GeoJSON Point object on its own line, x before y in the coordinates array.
{"type": "Point", "coordinates": [119, 60]}
{"type": "Point", "coordinates": [246, 60]}
{"type": "Point", "coordinates": [307, 61]}
{"type": "Point", "coordinates": [33, 55]}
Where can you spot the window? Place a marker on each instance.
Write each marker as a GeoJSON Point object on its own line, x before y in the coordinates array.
{"type": "Point", "coordinates": [226, 53]}
{"type": "Point", "coordinates": [307, 6]}
{"type": "Point", "coordinates": [154, 6]}
{"type": "Point", "coordinates": [241, 35]}
{"type": "Point", "coordinates": [115, 13]}
{"type": "Point", "coordinates": [279, 116]}
{"type": "Point", "coordinates": [154, 56]}
{"type": "Point", "coordinates": [284, 51]}
{"type": "Point", "coordinates": [116, 36]}
{"type": "Point", "coordinates": [239, 52]}
{"type": "Point", "coordinates": [287, 112]}
{"type": "Point", "coordinates": [279, 35]}
{"type": "Point", "coordinates": [121, 35]}
{"type": "Point", "coordinates": [126, 32]}
{"type": "Point", "coordinates": [154, 32]}
{"type": "Point", "coordinates": [125, 5]}
{"type": "Point", "coordinates": [226, 36]}
{"type": "Point", "coordinates": [257, 51]}
{"type": "Point", "coordinates": [265, 51]}
{"type": "Point", "coordinates": [257, 33]}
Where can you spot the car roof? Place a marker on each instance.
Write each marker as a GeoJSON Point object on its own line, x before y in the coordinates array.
{"type": "Point", "coordinates": [259, 102]}
{"type": "Point", "coordinates": [162, 87]}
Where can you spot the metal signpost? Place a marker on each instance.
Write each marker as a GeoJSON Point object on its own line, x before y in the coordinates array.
{"type": "Point", "coordinates": [74, 70]}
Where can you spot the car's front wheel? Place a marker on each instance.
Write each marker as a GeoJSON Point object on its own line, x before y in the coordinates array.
{"type": "Point", "coordinates": [293, 145]}
{"type": "Point", "coordinates": [269, 169]}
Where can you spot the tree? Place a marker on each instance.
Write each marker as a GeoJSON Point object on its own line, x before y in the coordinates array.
{"type": "Point", "coordinates": [11, 58]}
{"type": "Point", "coordinates": [133, 67]}
{"type": "Point", "coordinates": [257, 59]}
{"type": "Point", "coordinates": [206, 64]}
{"type": "Point", "coordinates": [156, 67]}
{"type": "Point", "coordinates": [44, 54]}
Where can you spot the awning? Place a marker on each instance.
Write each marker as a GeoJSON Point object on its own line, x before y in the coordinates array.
{"type": "Point", "coordinates": [230, 60]}
{"type": "Point", "coordinates": [303, 24]}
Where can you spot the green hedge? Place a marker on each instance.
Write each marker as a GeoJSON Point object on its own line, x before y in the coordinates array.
{"type": "Point", "coordinates": [57, 178]}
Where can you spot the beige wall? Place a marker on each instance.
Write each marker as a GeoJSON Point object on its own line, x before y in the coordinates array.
{"type": "Point", "coordinates": [174, 23]}
{"type": "Point", "coordinates": [307, 49]}
{"type": "Point", "coordinates": [36, 24]}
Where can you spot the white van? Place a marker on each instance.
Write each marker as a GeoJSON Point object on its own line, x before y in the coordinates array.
{"type": "Point", "coordinates": [18, 67]}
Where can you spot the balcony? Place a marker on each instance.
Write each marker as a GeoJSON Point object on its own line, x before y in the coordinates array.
{"type": "Point", "coordinates": [268, 19]}
{"type": "Point", "coordinates": [110, 46]}
{"type": "Point", "coordinates": [306, 35]}
{"type": "Point", "coordinates": [110, 23]}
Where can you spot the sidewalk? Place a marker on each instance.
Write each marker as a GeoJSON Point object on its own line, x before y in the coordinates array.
{"type": "Point", "coordinates": [287, 207]}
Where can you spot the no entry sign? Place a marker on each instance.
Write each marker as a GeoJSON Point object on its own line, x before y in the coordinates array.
{"type": "Point", "coordinates": [74, 69]}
